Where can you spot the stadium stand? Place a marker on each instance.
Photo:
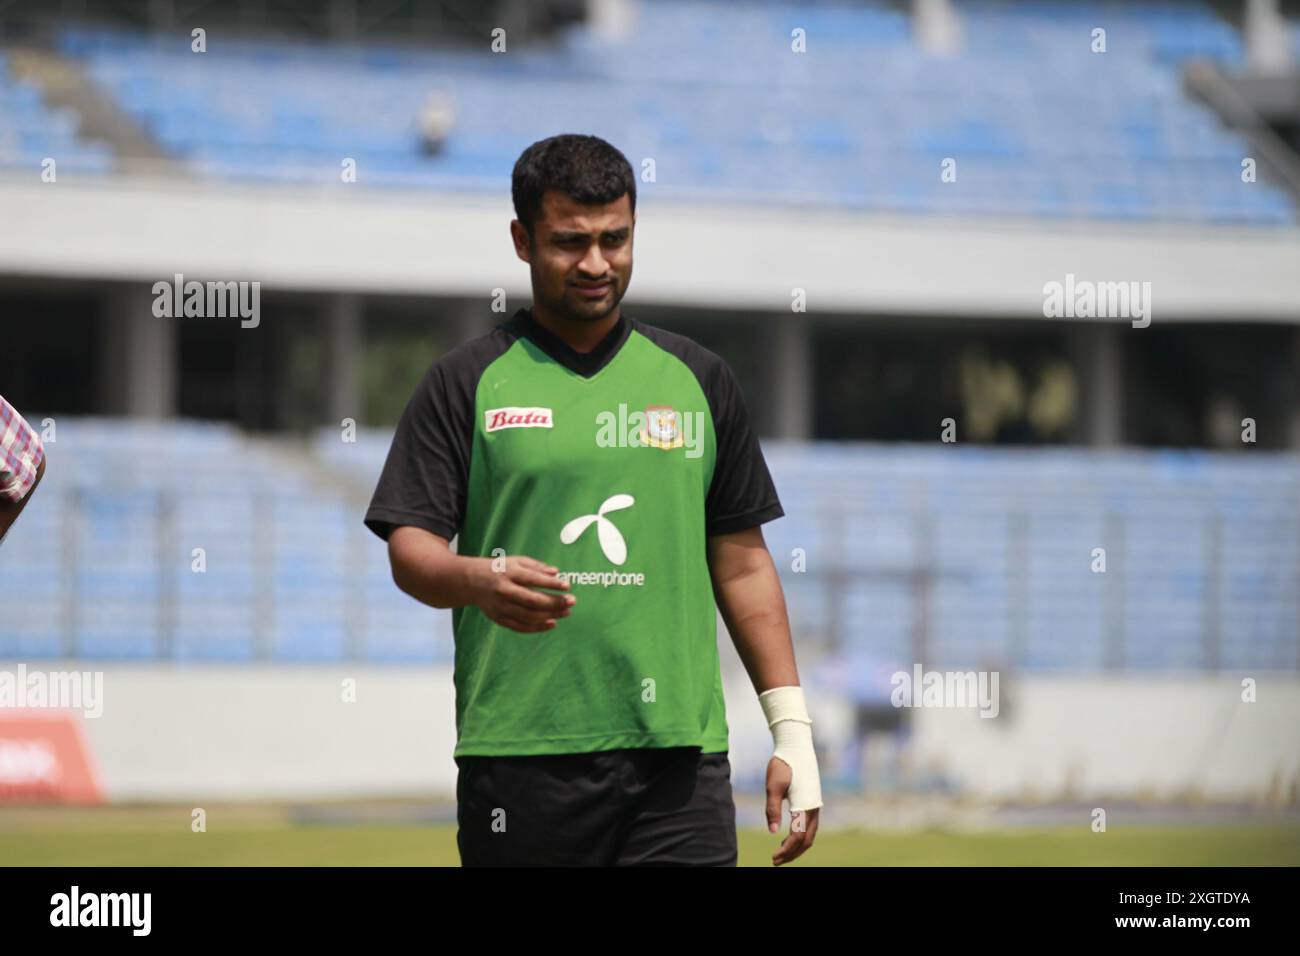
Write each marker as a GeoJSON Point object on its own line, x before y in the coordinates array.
{"type": "Point", "coordinates": [1190, 537]}
{"type": "Point", "coordinates": [30, 132]}
{"type": "Point", "coordinates": [102, 565]}
{"type": "Point", "coordinates": [1040, 125]}
{"type": "Point", "coordinates": [957, 556]}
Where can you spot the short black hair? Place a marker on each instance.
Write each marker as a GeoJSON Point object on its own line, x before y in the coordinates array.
{"type": "Point", "coordinates": [585, 168]}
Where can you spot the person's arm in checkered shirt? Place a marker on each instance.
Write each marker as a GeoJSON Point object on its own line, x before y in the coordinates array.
{"type": "Point", "coordinates": [22, 464]}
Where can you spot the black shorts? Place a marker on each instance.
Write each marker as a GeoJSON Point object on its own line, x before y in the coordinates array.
{"type": "Point", "coordinates": [634, 807]}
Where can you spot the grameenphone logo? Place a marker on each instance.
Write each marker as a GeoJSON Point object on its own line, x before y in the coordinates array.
{"type": "Point", "coordinates": [611, 543]}
{"type": "Point", "coordinates": [611, 539]}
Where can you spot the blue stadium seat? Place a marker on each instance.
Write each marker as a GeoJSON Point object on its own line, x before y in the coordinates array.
{"type": "Point", "coordinates": [1096, 135]}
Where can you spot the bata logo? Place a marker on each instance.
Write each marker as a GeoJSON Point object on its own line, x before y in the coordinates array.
{"type": "Point", "coordinates": [496, 419]}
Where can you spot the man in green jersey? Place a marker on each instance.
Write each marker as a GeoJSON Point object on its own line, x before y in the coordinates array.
{"type": "Point", "coordinates": [606, 491]}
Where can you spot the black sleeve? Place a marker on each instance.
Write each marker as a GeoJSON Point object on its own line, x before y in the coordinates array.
{"type": "Point", "coordinates": [426, 474]}
{"type": "Point", "coordinates": [741, 494]}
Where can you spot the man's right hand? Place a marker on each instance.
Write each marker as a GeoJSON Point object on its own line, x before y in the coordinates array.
{"type": "Point", "coordinates": [505, 589]}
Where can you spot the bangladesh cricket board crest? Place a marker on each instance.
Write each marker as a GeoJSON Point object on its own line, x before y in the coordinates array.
{"type": "Point", "coordinates": [662, 429]}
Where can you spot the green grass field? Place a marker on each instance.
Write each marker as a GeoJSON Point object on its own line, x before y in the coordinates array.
{"type": "Point", "coordinates": [47, 842]}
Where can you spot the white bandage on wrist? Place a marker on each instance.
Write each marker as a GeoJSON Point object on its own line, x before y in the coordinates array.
{"type": "Point", "coordinates": [787, 718]}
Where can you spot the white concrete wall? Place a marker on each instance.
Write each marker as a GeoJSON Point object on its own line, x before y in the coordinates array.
{"type": "Point", "coordinates": [1135, 737]}
{"type": "Point", "coordinates": [228, 732]}
{"type": "Point", "coordinates": [351, 239]}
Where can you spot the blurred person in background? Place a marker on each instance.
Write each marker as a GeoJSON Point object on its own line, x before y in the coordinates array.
{"type": "Point", "coordinates": [436, 119]}
{"type": "Point", "coordinates": [22, 464]}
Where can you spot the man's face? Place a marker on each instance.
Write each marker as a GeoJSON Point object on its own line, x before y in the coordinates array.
{"type": "Point", "coordinates": [580, 256]}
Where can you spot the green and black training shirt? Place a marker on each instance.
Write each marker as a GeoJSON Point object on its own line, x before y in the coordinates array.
{"type": "Point", "coordinates": [614, 466]}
